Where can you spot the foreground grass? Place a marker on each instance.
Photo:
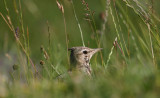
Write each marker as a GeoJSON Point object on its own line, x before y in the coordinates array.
{"type": "Point", "coordinates": [134, 82]}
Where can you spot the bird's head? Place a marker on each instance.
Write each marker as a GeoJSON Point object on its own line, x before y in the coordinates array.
{"type": "Point", "coordinates": [82, 54]}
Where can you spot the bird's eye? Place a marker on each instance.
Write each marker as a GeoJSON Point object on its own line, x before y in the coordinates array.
{"type": "Point", "coordinates": [85, 52]}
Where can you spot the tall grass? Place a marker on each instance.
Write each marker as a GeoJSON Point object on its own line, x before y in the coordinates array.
{"type": "Point", "coordinates": [126, 67]}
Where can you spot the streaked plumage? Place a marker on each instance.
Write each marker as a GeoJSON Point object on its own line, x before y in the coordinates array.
{"type": "Point", "coordinates": [80, 59]}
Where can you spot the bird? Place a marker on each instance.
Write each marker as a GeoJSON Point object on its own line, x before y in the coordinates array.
{"type": "Point", "coordinates": [80, 59]}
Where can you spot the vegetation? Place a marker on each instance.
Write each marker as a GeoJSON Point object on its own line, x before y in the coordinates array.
{"type": "Point", "coordinates": [35, 37]}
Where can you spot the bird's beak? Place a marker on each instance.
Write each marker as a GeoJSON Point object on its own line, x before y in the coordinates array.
{"type": "Point", "coordinates": [96, 50]}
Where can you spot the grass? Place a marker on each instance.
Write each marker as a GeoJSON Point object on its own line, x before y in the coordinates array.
{"type": "Point", "coordinates": [34, 48]}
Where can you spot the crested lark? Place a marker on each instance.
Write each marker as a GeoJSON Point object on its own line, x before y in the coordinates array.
{"type": "Point", "coordinates": [80, 58]}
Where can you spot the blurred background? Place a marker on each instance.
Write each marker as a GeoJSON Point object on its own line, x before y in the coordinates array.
{"type": "Point", "coordinates": [37, 15]}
